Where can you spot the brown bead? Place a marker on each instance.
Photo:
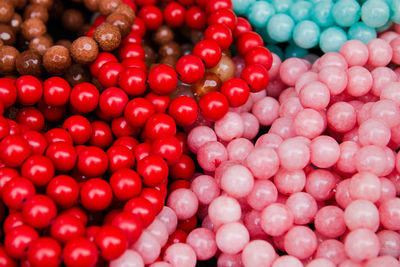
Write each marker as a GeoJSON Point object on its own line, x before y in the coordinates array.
{"type": "Point", "coordinates": [6, 11]}
{"type": "Point", "coordinates": [16, 22]}
{"type": "Point", "coordinates": [57, 10]}
{"type": "Point", "coordinates": [170, 49]}
{"type": "Point", "coordinates": [7, 35]}
{"type": "Point", "coordinates": [169, 60]}
{"type": "Point", "coordinates": [92, 5]}
{"type": "Point", "coordinates": [40, 44]}
{"type": "Point", "coordinates": [227, 53]}
{"type": "Point", "coordinates": [225, 69]}
{"type": "Point", "coordinates": [182, 90]}
{"type": "Point", "coordinates": [72, 20]}
{"type": "Point", "coordinates": [46, 3]}
{"type": "Point", "coordinates": [150, 55]}
{"type": "Point", "coordinates": [196, 36]}
{"type": "Point", "coordinates": [22, 43]}
{"type": "Point", "coordinates": [84, 50]}
{"type": "Point", "coordinates": [1, 43]}
{"type": "Point", "coordinates": [186, 49]}
{"type": "Point", "coordinates": [8, 56]}
{"type": "Point", "coordinates": [32, 28]}
{"type": "Point", "coordinates": [29, 63]}
{"type": "Point", "coordinates": [163, 35]}
{"type": "Point", "coordinates": [84, 29]}
{"type": "Point", "coordinates": [108, 36]}
{"type": "Point", "coordinates": [121, 22]}
{"type": "Point", "coordinates": [65, 43]}
{"type": "Point", "coordinates": [19, 4]}
{"type": "Point", "coordinates": [127, 11]}
{"type": "Point", "coordinates": [57, 60]}
{"type": "Point", "coordinates": [210, 83]}
{"type": "Point", "coordinates": [106, 7]}
{"type": "Point", "coordinates": [77, 74]}
{"type": "Point", "coordinates": [36, 11]}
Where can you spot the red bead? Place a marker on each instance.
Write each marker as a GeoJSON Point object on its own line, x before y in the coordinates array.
{"type": "Point", "coordinates": [90, 32]}
{"type": "Point", "coordinates": [121, 127]}
{"type": "Point", "coordinates": [126, 141]}
{"type": "Point", "coordinates": [201, 3]}
{"type": "Point", "coordinates": [102, 58]}
{"type": "Point", "coordinates": [14, 128]}
{"type": "Point", "coordinates": [213, 5]}
{"type": "Point", "coordinates": [162, 79]}
{"type": "Point", "coordinates": [58, 135]}
{"type": "Point", "coordinates": [84, 97]}
{"type": "Point", "coordinates": [142, 208]}
{"type": "Point", "coordinates": [160, 125]}
{"type": "Point", "coordinates": [4, 127]}
{"type": "Point", "coordinates": [30, 117]}
{"type": "Point", "coordinates": [213, 106]}
{"type": "Point", "coordinates": [184, 110]}
{"type": "Point", "coordinates": [174, 14]}
{"type": "Point", "coordinates": [153, 169]}
{"type": "Point", "coordinates": [5, 259]}
{"type": "Point", "coordinates": [184, 168]}
{"type": "Point", "coordinates": [179, 236]}
{"type": "Point", "coordinates": [145, 2]}
{"type": "Point", "coordinates": [109, 74]}
{"type": "Point", "coordinates": [29, 90]}
{"type": "Point", "coordinates": [12, 221]}
{"type": "Point", "coordinates": [125, 184]}
{"type": "Point", "coordinates": [209, 51]}
{"type": "Point", "coordinates": [6, 174]}
{"type": "Point", "coordinates": [186, 2]}
{"type": "Point", "coordinates": [17, 241]}
{"type": "Point", "coordinates": [80, 253]}
{"type": "Point", "coordinates": [96, 194]}
{"type": "Point", "coordinates": [223, 16]}
{"type": "Point", "coordinates": [138, 111]}
{"type": "Point", "coordinates": [129, 224]}
{"type": "Point", "coordinates": [8, 92]}
{"type": "Point", "coordinates": [190, 69]}
{"type": "Point", "coordinates": [168, 148]}
{"type": "Point", "coordinates": [99, 20]}
{"type": "Point", "coordinates": [152, 17]}
{"type": "Point", "coordinates": [177, 184]}
{"type": "Point", "coordinates": [39, 211]}
{"type": "Point", "coordinates": [134, 63]}
{"type": "Point", "coordinates": [64, 190]}
{"type": "Point", "coordinates": [36, 141]}
{"type": "Point", "coordinates": [236, 91]}
{"type": "Point", "coordinates": [56, 91]}
{"type": "Point", "coordinates": [120, 157]}
{"type": "Point", "coordinates": [16, 192]}
{"type": "Point", "coordinates": [259, 55]}
{"type": "Point", "coordinates": [131, 38]}
{"type": "Point", "coordinates": [142, 150]}
{"type": "Point", "coordinates": [133, 81]}
{"type": "Point", "coordinates": [155, 197]}
{"type": "Point", "coordinates": [160, 102]}
{"type": "Point", "coordinates": [52, 113]}
{"type": "Point", "coordinates": [182, 139]}
{"type": "Point", "coordinates": [77, 212]}
{"type": "Point", "coordinates": [131, 4]}
{"type": "Point", "coordinates": [242, 26]}
{"type": "Point", "coordinates": [132, 51]}
{"type": "Point", "coordinates": [196, 18]}
{"type": "Point", "coordinates": [139, 26]}
{"type": "Point", "coordinates": [113, 101]}
{"type": "Point", "coordinates": [101, 135]}
{"type": "Point", "coordinates": [92, 161]}
{"type": "Point", "coordinates": [247, 41]}
{"type": "Point", "coordinates": [79, 128]}
{"type": "Point", "coordinates": [91, 232]}
{"type": "Point", "coordinates": [14, 150]}
{"type": "Point", "coordinates": [67, 227]}
{"type": "Point", "coordinates": [219, 33]}
{"type": "Point", "coordinates": [63, 156]}
{"type": "Point", "coordinates": [44, 252]}
{"type": "Point", "coordinates": [38, 169]}
{"type": "Point", "coordinates": [256, 76]}
{"type": "Point", "coordinates": [111, 241]}
{"type": "Point", "coordinates": [188, 225]}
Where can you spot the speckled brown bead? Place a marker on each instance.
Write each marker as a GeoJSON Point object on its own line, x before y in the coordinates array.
{"type": "Point", "coordinates": [16, 22]}
{"type": "Point", "coordinates": [76, 74]}
{"type": "Point", "coordinates": [32, 28]}
{"type": "Point", "coordinates": [92, 5]}
{"type": "Point", "coordinates": [106, 7]}
{"type": "Point", "coordinates": [121, 21]}
{"type": "Point", "coordinates": [7, 35]}
{"type": "Point", "coordinates": [84, 50]}
{"type": "Point", "coordinates": [65, 43]}
{"type": "Point", "coordinates": [6, 11]}
{"type": "Point", "coordinates": [57, 60]}
{"type": "Point", "coordinates": [1, 43]}
{"type": "Point", "coordinates": [163, 35]}
{"type": "Point", "coordinates": [72, 20]}
{"type": "Point", "coordinates": [127, 11]}
{"type": "Point", "coordinates": [41, 44]}
{"type": "Point", "coordinates": [29, 63]}
{"type": "Point", "coordinates": [36, 11]}
{"type": "Point", "coordinates": [8, 56]}
{"type": "Point", "coordinates": [19, 4]}
{"type": "Point", "coordinates": [170, 49]}
{"type": "Point", "coordinates": [108, 36]}
{"type": "Point", "coordinates": [46, 3]}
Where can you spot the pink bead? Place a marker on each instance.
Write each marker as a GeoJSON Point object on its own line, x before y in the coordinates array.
{"type": "Point", "coordinates": [361, 244]}
{"type": "Point", "coordinates": [373, 132]}
{"type": "Point", "coordinates": [364, 113]}
{"type": "Point", "coordinates": [382, 76]}
{"type": "Point", "coordinates": [283, 127]}
{"type": "Point", "coordinates": [361, 214]}
{"type": "Point", "coordinates": [263, 162]}
{"type": "Point", "coordinates": [350, 263]}
{"type": "Point", "coordinates": [287, 261]}
{"type": "Point", "coordinates": [258, 253]}
{"type": "Point", "coordinates": [325, 151]}
{"type": "Point", "coordinates": [180, 254]}
{"type": "Point", "coordinates": [391, 91]}
{"type": "Point", "coordinates": [130, 258]}
{"type": "Point", "coordinates": [168, 217]}
{"type": "Point", "coordinates": [355, 52]}
{"type": "Point", "coordinates": [184, 202]}
{"type": "Point", "coordinates": [206, 189]}
{"type": "Point", "coordinates": [371, 159]}
{"type": "Point", "coordinates": [389, 36]}
{"type": "Point", "coordinates": [206, 223]}
{"type": "Point", "coordinates": [341, 117]}
{"type": "Point", "coordinates": [332, 59]}
{"type": "Point", "coordinates": [276, 219]}
{"type": "Point", "coordinates": [262, 194]}
{"type": "Point", "coordinates": [342, 195]}
{"type": "Point", "coordinates": [246, 107]}
{"type": "Point", "coordinates": [386, 111]}
{"type": "Point", "coordinates": [300, 242]}
{"type": "Point", "coordinates": [346, 162]}
{"type": "Point", "coordinates": [202, 241]}
{"type": "Point", "coordinates": [237, 181]}
{"type": "Point", "coordinates": [294, 154]}
{"type": "Point", "coordinates": [258, 95]}
{"type": "Point", "coordinates": [320, 263]}
{"type": "Point", "coordinates": [250, 124]}
{"type": "Point", "coordinates": [238, 149]}
{"type": "Point", "coordinates": [290, 107]}
{"type": "Point", "coordinates": [332, 250]}
{"type": "Point", "coordinates": [335, 78]}
{"type": "Point", "coordinates": [365, 185]}
{"type": "Point", "coordinates": [148, 247]}
{"type": "Point", "coordinates": [291, 69]}
{"type": "Point", "coordinates": [198, 136]}
{"type": "Point", "coordinates": [303, 207]}
{"type": "Point", "coordinates": [224, 210]}
{"type": "Point", "coordinates": [266, 110]}
{"type": "Point", "coordinates": [232, 237]}
{"type": "Point", "coordinates": [395, 45]}
{"type": "Point", "coordinates": [359, 81]}
{"type": "Point", "coordinates": [380, 53]}
{"type": "Point", "coordinates": [252, 221]}
{"type": "Point", "coordinates": [159, 230]}
{"type": "Point", "coordinates": [304, 79]}
{"type": "Point", "coordinates": [289, 182]}
{"type": "Point", "coordinates": [383, 261]}
{"type": "Point", "coordinates": [287, 93]}
{"type": "Point", "coordinates": [229, 127]}
{"type": "Point", "coordinates": [388, 190]}
{"type": "Point", "coordinates": [390, 243]}
{"type": "Point", "coordinates": [161, 264]}
{"type": "Point", "coordinates": [227, 260]}
{"type": "Point", "coordinates": [211, 154]}
{"type": "Point", "coordinates": [389, 212]}
{"type": "Point", "coordinates": [275, 87]}
{"type": "Point", "coordinates": [240, 64]}
{"type": "Point", "coordinates": [329, 221]}
{"type": "Point", "coordinates": [309, 123]}
{"type": "Point", "coordinates": [276, 63]}
{"type": "Point", "coordinates": [320, 184]}
{"type": "Point", "coordinates": [390, 160]}
{"type": "Point", "coordinates": [395, 135]}
{"type": "Point", "coordinates": [269, 140]}
{"type": "Point", "coordinates": [315, 95]}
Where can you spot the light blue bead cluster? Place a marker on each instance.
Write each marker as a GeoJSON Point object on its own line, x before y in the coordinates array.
{"type": "Point", "coordinates": [308, 24]}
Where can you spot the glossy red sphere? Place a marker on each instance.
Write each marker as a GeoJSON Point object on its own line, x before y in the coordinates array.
{"type": "Point", "coordinates": [125, 184]}
{"type": "Point", "coordinates": [96, 194]}
{"type": "Point", "coordinates": [39, 211]}
{"type": "Point", "coordinates": [80, 253]}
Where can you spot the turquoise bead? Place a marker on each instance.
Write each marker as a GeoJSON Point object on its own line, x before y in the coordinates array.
{"type": "Point", "coordinates": [306, 34]}
{"type": "Point", "coordinates": [259, 13]}
{"type": "Point", "coordinates": [300, 10]}
{"type": "Point", "coordinates": [385, 27]}
{"type": "Point", "coordinates": [375, 13]}
{"type": "Point", "coordinates": [395, 6]}
{"type": "Point", "coordinates": [264, 34]}
{"type": "Point", "coordinates": [293, 50]}
{"type": "Point", "coordinates": [346, 12]}
{"type": "Point", "coordinates": [332, 39]}
{"type": "Point", "coordinates": [362, 32]}
{"type": "Point", "coordinates": [280, 27]}
{"type": "Point", "coordinates": [281, 6]}
{"type": "Point", "coordinates": [322, 15]}
{"type": "Point", "coordinates": [241, 6]}
{"type": "Point", "coordinates": [275, 49]}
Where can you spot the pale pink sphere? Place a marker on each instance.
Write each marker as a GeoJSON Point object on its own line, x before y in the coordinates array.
{"type": "Point", "coordinates": [391, 91]}
{"type": "Point", "coordinates": [220, 170]}
{"type": "Point", "coordinates": [361, 214]}
{"type": "Point", "coordinates": [303, 207]}
{"type": "Point", "coordinates": [258, 253]}
{"type": "Point", "coordinates": [206, 189]}
{"type": "Point", "coordinates": [252, 221]}
{"type": "Point", "coordinates": [395, 45]}
{"type": "Point", "coordinates": [287, 93]}
{"type": "Point", "coordinates": [275, 87]}
{"type": "Point", "coordinates": [291, 69]}
{"type": "Point", "coordinates": [395, 178]}
{"type": "Point", "coordinates": [283, 127]}
{"type": "Point", "coordinates": [237, 181]}
{"type": "Point", "coordinates": [320, 263]}
{"type": "Point", "coordinates": [309, 123]}
{"type": "Point", "coordinates": [240, 64]}
{"type": "Point", "coordinates": [198, 136]}
{"type": "Point", "coordinates": [389, 213]}
{"type": "Point", "coordinates": [148, 247]}
{"type": "Point", "coordinates": [386, 111]}
{"type": "Point", "coordinates": [332, 59]}
{"type": "Point", "coordinates": [289, 182]}
{"type": "Point", "coordinates": [168, 217]}
{"type": "Point", "coordinates": [276, 219]}
{"type": "Point", "coordinates": [388, 190]}
{"type": "Point", "coordinates": [263, 193]}
{"type": "Point", "coordinates": [258, 95]}
{"type": "Point", "coordinates": [364, 113]}
{"type": "Point", "coordinates": [315, 95]}
{"type": "Point", "coordinates": [290, 107]}
{"type": "Point", "coordinates": [329, 221]}
{"type": "Point", "coordinates": [266, 110]}
{"type": "Point", "coordinates": [304, 79]}
{"type": "Point", "coordinates": [359, 81]}
{"type": "Point", "coordinates": [276, 63]}
{"type": "Point", "coordinates": [342, 195]}
{"type": "Point", "coordinates": [251, 125]}
{"type": "Point", "coordinates": [229, 127]}
{"type": "Point", "coordinates": [371, 159]}
{"type": "Point", "coordinates": [202, 241]}
{"type": "Point", "coordinates": [211, 154]}
{"type": "Point", "coordinates": [388, 36]}
{"type": "Point", "coordinates": [129, 258]}
{"type": "Point", "coordinates": [346, 162]}
{"type": "Point", "coordinates": [320, 184]}
{"type": "Point", "coordinates": [287, 261]}
{"type": "Point", "coordinates": [365, 185]}
{"type": "Point", "coordinates": [238, 149]}
{"type": "Point", "coordinates": [382, 76]}
{"type": "Point", "coordinates": [227, 260]}
{"type": "Point", "coordinates": [224, 209]}
{"type": "Point", "coordinates": [335, 78]}
{"type": "Point", "coordinates": [341, 117]}
{"type": "Point", "coordinates": [361, 244]}
{"type": "Point", "coordinates": [180, 254]}
{"type": "Point", "coordinates": [159, 230]}
{"type": "Point", "coordinates": [263, 162]}
{"type": "Point", "coordinates": [301, 242]}
{"type": "Point", "coordinates": [246, 107]}
{"type": "Point", "coordinates": [383, 261]}
{"type": "Point", "coordinates": [398, 162]}
{"type": "Point", "coordinates": [332, 250]}
{"type": "Point", "coordinates": [294, 154]}
{"type": "Point", "coordinates": [350, 263]}
{"type": "Point", "coordinates": [184, 202]}
{"type": "Point", "coordinates": [279, 242]}
{"type": "Point", "coordinates": [374, 132]}
{"type": "Point", "coordinates": [325, 151]}
{"type": "Point", "coordinates": [390, 243]}
{"type": "Point", "coordinates": [206, 223]}
{"type": "Point", "coordinates": [355, 52]}
{"type": "Point", "coordinates": [380, 52]}
{"type": "Point", "coordinates": [232, 237]}
{"type": "Point", "coordinates": [161, 264]}
{"type": "Point", "coordinates": [395, 135]}
{"type": "Point", "coordinates": [390, 160]}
